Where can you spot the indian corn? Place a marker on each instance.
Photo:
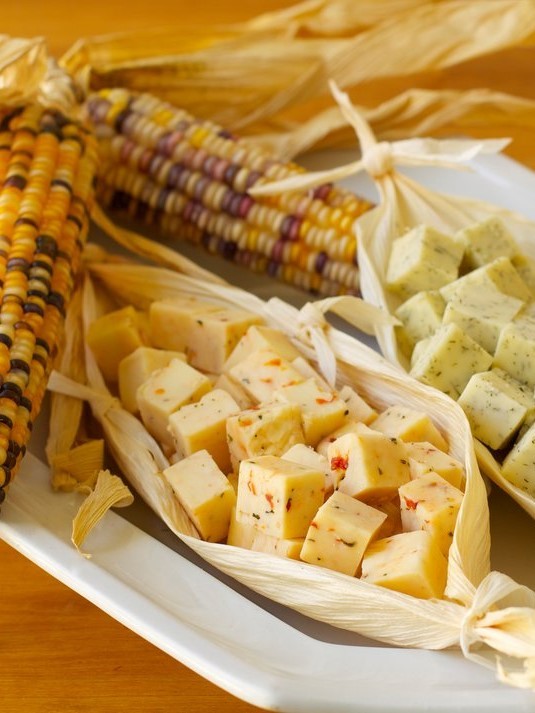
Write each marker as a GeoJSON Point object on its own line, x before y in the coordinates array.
{"type": "Point", "coordinates": [47, 166]}
{"type": "Point", "coordinates": [191, 178]}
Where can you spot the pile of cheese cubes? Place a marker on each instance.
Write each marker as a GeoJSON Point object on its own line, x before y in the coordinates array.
{"type": "Point", "coordinates": [265, 455]}
{"type": "Point", "coordinates": [469, 330]}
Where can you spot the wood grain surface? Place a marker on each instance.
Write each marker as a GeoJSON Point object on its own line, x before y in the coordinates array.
{"type": "Point", "coordinates": [59, 653]}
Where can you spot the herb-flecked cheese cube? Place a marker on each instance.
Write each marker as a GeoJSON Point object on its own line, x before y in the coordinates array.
{"type": "Point", "coordinates": [278, 497]}
{"type": "Point", "coordinates": [515, 350]}
{"type": "Point", "coordinates": [267, 430]}
{"type": "Point", "coordinates": [241, 534]}
{"type": "Point", "coordinates": [419, 349]}
{"type": "Point", "coordinates": [358, 408]}
{"type": "Point", "coordinates": [449, 360]}
{"type": "Point", "coordinates": [525, 266]}
{"type": "Point", "coordinates": [520, 391]}
{"type": "Point", "coordinates": [410, 425]}
{"type": "Point", "coordinates": [259, 337]}
{"type": "Point", "coordinates": [499, 274]}
{"type": "Point", "coordinates": [307, 371]}
{"type": "Point", "coordinates": [518, 466]}
{"type": "Point", "coordinates": [340, 532]}
{"type": "Point", "coordinates": [426, 458]}
{"type": "Point", "coordinates": [430, 503]}
{"type": "Point", "coordinates": [410, 563]}
{"type": "Point", "coordinates": [423, 259]}
{"type": "Point", "coordinates": [112, 337]}
{"type": "Point", "coordinates": [487, 241]}
{"type": "Point", "coordinates": [205, 494]}
{"type": "Point", "coordinates": [421, 315]}
{"type": "Point", "coordinates": [348, 427]}
{"type": "Point", "coordinates": [305, 455]}
{"type": "Point", "coordinates": [170, 319]}
{"type": "Point", "coordinates": [164, 392]}
{"type": "Point", "coordinates": [322, 412]}
{"type": "Point", "coordinates": [240, 396]}
{"type": "Point", "coordinates": [137, 367]}
{"type": "Point", "coordinates": [203, 426]}
{"type": "Point", "coordinates": [495, 412]}
{"type": "Point", "coordinates": [263, 372]}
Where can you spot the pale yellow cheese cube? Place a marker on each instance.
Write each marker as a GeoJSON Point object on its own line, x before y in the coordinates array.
{"type": "Point", "coordinates": [170, 319]}
{"type": "Point", "coordinates": [520, 391]}
{"type": "Point", "coordinates": [112, 337]}
{"type": "Point", "coordinates": [266, 430]}
{"type": "Point", "coordinates": [204, 493]}
{"type": "Point", "coordinates": [340, 532]}
{"type": "Point", "coordinates": [515, 350]}
{"type": "Point", "coordinates": [263, 372]}
{"type": "Point", "coordinates": [241, 534]}
{"type": "Point", "coordinates": [240, 396]}
{"type": "Point", "coordinates": [421, 315]}
{"type": "Point", "coordinates": [308, 372]}
{"type": "Point", "coordinates": [322, 412]}
{"type": "Point", "coordinates": [358, 409]}
{"type": "Point", "coordinates": [164, 392]}
{"type": "Point", "coordinates": [499, 274]}
{"type": "Point", "coordinates": [137, 367]}
{"type": "Point", "coordinates": [349, 427]}
{"type": "Point", "coordinates": [258, 338]}
{"type": "Point", "coordinates": [410, 563]}
{"type": "Point", "coordinates": [449, 360]}
{"type": "Point", "coordinates": [486, 241]}
{"type": "Point", "coordinates": [494, 411]}
{"type": "Point", "coordinates": [525, 266]}
{"type": "Point", "coordinates": [423, 259]}
{"type": "Point", "coordinates": [426, 458]}
{"type": "Point", "coordinates": [409, 425]}
{"type": "Point", "coordinates": [305, 455]}
{"type": "Point", "coordinates": [337, 447]}
{"type": "Point", "coordinates": [519, 465]}
{"type": "Point", "coordinates": [278, 497]}
{"type": "Point", "coordinates": [203, 426]}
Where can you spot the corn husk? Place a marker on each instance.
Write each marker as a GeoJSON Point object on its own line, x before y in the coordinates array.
{"type": "Point", "coordinates": [484, 613]}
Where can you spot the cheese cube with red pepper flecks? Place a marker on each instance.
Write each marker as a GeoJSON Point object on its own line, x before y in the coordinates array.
{"type": "Point", "coordinates": [232, 387]}
{"type": "Point", "coordinates": [278, 497]}
{"type": "Point", "coordinates": [307, 371]}
{"type": "Point", "coordinates": [263, 372]}
{"type": "Point", "coordinates": [305, 455]}
{"type": "Point", "coordinates": [137, 367]}
{"type": "Point", "coordinates": [425, 458]}
{"type": "Point", "coordinates": [409, 425]}
{"type": "Point", "coordinates": [348, 427]}
{"type": "Point", "coordinates": [358, 409]}
{"type": "Point", "coordinates": [249, 537]}
{"type": "Point", "coordinates": [260, 337]}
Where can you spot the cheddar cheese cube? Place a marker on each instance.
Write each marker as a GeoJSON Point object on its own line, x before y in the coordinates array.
{"type": "Point", "coordinates": [486, 241]}
{"type": "Point", "coordinates": [305, 455]}
{"type": "Point", "coordinates": [515, 350]}
{"type": "Point", "coordinates": [426, 458]}
{"type": "Point", "coordinates": [249, 537]}
{"type": "Point", "coordinates": [263, 372]}
{"type": "Point", "coordinates": [112, 337]}
{"type": "Point", "coordinates": [204, 493]}
{"type": "Point", "coordinates": [136, 368]}
{"type": "Point", "coordinates": [357, 408]}
{"type": "Point", "coordinates": [340, 532]}
{"type": "Point", "coordinates": [421, 315]}
{"type": "Point", "coordinates": [518, 466]}
{"type": "Point", "coordinates": [278, 497]}
{"type": "Point", "coordinates": [259, 338]}
{"type": "Point", "coordinates": [409, 425]}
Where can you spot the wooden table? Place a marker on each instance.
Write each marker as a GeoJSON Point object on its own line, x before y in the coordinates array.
{"type": "Point", "coordinates": [59, 653]}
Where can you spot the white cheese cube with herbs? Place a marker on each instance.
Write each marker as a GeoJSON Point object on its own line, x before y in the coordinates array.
{"type": "Point", "coordinates": [495, 412]}
{"type": "Point", "coordinates": [486, 241]}
{"type": "Point", "coordinates": [518, 466]}
{"type": "Point", "coordinates": [260, 337]}
{"type": "Point", "coordinates": [205, 494]}
{"type": "Point", "coordinates": [263, 372]}
{"type": "Point", "coordinates": [499, 274]}
{"type": "Point", "coordinates": [241, 534]}
{"type": "Point", "coordinates": [358, 409]}
{"type": "Point", "coordinates": [137, 367]}
{"type": "Point", "coordinates": [322, 412]}
{"type": "Point", "coordinates": [305, 455]}
{"type": "Point", "coordinates": [340, 533]}
{"type": "Point", "coordinates": [449, 360]}
{"type": "Point", "coordinates": [519, 391]}
{"type": "Point", "coordinates": [348, 427]}
{"type": "Point", "coordinates": [266, 430]}
{"type": "Point", "coordinates": [515, 350]}
{"type": "Point", "coordinates": [426, 458]}
{"type": "Point", "coordinates": [525, 266]}
{"type": "Point", "coordinates": [482, 312]}
{"type": "Point", "coordinates": [203, 426]}
{"type": "Point", "coordinates": [421, 315]}
{"type": "Point", "coordinates": [240, 396]}
{"type": "Point", "coordinates": [164, 392]}
{"type": "Point", "coordinates": [410, 563]}
{"type": "Point", "coordinates": [278, 497]}
{"type": "Point", "coordinates": [431, 504]}
{"type": "Point", "coordinates": [423, 259]}
{"type": "Point", "coordinates": [410, 425]}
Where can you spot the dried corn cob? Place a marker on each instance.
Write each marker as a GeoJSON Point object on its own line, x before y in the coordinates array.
{"type": "Point", "coordinates": [191, 179]}
{"type": "Point", "coordinates": [47, 166]}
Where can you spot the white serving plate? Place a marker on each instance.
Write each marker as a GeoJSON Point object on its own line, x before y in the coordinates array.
{"type": "Point", "coordinates": [259, 651]}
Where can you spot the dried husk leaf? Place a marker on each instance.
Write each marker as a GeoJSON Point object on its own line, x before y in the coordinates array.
{"type": "Point", "coordinates": [78, 468]}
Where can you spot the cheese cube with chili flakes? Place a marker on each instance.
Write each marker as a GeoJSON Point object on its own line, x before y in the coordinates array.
{"type": "Point", "coordinates": [112, 337]}
{"type": "Point", "coordinates": [358, 409]}
{"type": "Point", "coordinates": [202, 426]}
{"type": "Point", "coordinates": [430, 503]}
{"type": "Point", "coordinates": [307, 371]}
{"type": "Point", "coordinates": [322, 412]}
{"type": "Point", "coordinates": [410, 563]}
{"type": "Point", "coordinates": [164, 392]}
{"type": "Point", "coordinates": [336, 449]}
{"type": "Point", "coordinates": [340, 533]}
{"type": "Point", "coordinates": [426, 458]}
{"type": "Point", "coordinates": [263, 372]}
{"type": "Point", "coordinates": [305, 455]}
{"type": "Point", "coordinates": [249, 537]}
{"type": "Point", "coordinates": [348, 427]}
{"type": "Point", "coordinates": [239, 394]}
{"type": "Point", "coordinates": [205, 494]}
{"type": "Point", "coordinates": [264, 430]}
{"type": "Point", "coordinates": [409, 425]}
{"type": "Point", "coordinates": [257, 338]}
{"type": "Point", "coordinates": [137, 367]}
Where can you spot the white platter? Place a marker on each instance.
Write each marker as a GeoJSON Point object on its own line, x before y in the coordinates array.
{"type": "Point", "coordinates": [256, 650]}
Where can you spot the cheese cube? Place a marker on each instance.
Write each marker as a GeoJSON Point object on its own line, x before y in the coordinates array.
{"type": "Point", "coordinates": [409, 425]}
{"type": "Point", "coordinates": [204, 493]}
{"type": "Point", "coordinates": [376, 465]}
{"type": "Point", "coordinates": [499, 274]}
{"type": "Point", "coordinates": [337, 449]}
{"type": "Point", "coordinates": [421, 315]}
{"type": "Point", "coordinates": [112, 337]}
{"type": "Point", "coordinates": [449, 360]}
{"type": "Point", "coordinates": [267, 430]}
{"type": "Point", "coordinates": [278, 497]}
{"type": "Point", "coordinates": [262, 373]}
{"type": "Point", "coordinates": [426, 458]}
{"type": "Point", "coordinates": [137, 367]}
{"type": "Point", "coordinates": [487, 241]}
{"type": "Point", "coordinates": [305, 455]}
{"type": "Point", "coordinates": [515, 350]}
{"type": "Point", "coordinates": [423, 259]}
{"type": "Point", "coordinates": [494, 410]}
{"type": "Point", "coordinates": [349, 427]}
{"type": "Point", "coordinates": [203, 426]}
{"type": "Point", "coordinates": [169, 320]}
{"type": "Point", "coordinates": [520, 391]}
{"type": "Point", "coordinates": [419, 349]}
{"type": "Point", "coordinates": [358, 409]}
{"type": "Point", "coordinates": [482, 312]}
{"type": "Point", "coordinates": [241, 534]}
{"type": "Point", "coordinates": [430, 503]}
{"type": "Point", "coordinates": [308, 372]}
{"type": "Point", "coordinates": [340, 532]}
{"type": "Point", "coordinates": [240, 396]}
{"type": "Point", "coordinates": [164, 392]}
{"type": "Point", "coordinates": [410, 563]}
{"type": "Point", "coordinates": [525, 266]}
{"type": "Point", "coordinates": [322, 412]}
{"type": "Point", "coordinates": [519, 465]}
{"type": "Point", "coordinates": [258, 338]}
